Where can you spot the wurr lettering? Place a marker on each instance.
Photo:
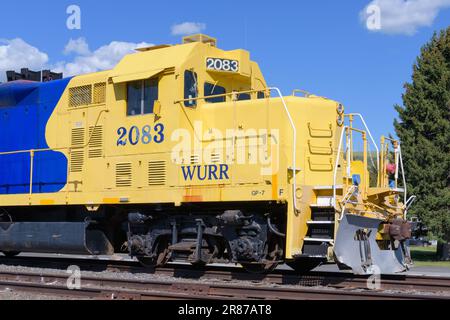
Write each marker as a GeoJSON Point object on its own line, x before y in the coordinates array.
{"type": "Point", "coordinates": [207, 172]}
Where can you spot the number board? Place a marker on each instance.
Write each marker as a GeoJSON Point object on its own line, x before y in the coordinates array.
{"type": "Point", "coordinates": [135, 135]}
{"type": "Point", "coordinates": [222, 65]}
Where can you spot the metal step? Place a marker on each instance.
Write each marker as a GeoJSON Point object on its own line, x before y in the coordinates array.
{"type": "Point", "coordinates": [338, 187]}
{"type": "Point", "coordinates": [319, 216]}
{"type": "Point", "coordinates": [314, 205]}
{"type": "Point", "coordinates": [312, 256]}
{"type": "Point", "coordinates": [319, 240]}
{"type": "Point", "coordinates": [321, 222]}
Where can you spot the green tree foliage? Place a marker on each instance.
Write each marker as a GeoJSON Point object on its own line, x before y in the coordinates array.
{"type": "Point", "coordinates": [424, 129]}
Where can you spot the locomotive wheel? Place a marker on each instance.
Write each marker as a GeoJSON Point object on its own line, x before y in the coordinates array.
{"type": "Point", "coordinates": [152, 263]}
{"type": "Point", "coordinates": [162, 255]}
{"type": "Point", "coordinates": [305, 265]}
{"type": "Point", "coordinates": [273, 257]}
{"type": "Point", "coordinates": [11, 254]}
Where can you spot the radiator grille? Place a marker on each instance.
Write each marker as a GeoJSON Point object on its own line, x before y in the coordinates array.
{"type": "Point", "coordinates": [157, 173]}
{"type": "Point", "coordinates": [80, 96]}
{"type": "Point", "coordinates": [100, 92]}
{"type": "Point", "coordinates": [124, 176]}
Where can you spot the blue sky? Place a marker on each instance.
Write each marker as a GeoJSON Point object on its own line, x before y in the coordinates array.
{"type": "Point", "coordinates": [320, 46]}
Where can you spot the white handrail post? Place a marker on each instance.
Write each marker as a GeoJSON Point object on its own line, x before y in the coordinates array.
{"type": "Point", "coordinates": [336, 166]}
{"type": "Point", "coordinates": [294, 148]}
{"type": "Point", "coordinates": [403, 171]}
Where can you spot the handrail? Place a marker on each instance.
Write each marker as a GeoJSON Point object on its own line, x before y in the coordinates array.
{"type": "Point", "coordinates": [408, 205]}
{"type": "Point", "coordinates": [223, 95]}
{"type": "Point", "coordinates": [370, 135]}
{"type": "Point", "coordinates": [403, 172]}
{"type": "Point", "coordinates": [345, 130]}
{"type": "Point", "coordinates": [401, 165]}
{"type": "Point", "coordinates": [349, 194]}
{"type": "Point", "coordinates": [336, 166]}
{"type": "Point", "coordinates": [294, 148]}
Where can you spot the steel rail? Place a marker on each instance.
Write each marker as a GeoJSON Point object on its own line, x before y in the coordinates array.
{"type": "Point", "coordinates": [111, 288]}
{"type": "Point", "coordinates": [335, 280]}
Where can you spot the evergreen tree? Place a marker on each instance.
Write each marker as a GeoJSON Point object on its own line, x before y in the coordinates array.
{"type": "Point", "coordinates": [424, 129]}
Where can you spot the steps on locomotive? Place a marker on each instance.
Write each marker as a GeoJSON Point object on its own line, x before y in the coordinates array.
{"type": "Point", "coordinates": [321, 227]}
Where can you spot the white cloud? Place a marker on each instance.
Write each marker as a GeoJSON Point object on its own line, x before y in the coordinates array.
{"type": "Point", "coordinates": [16, 54]}
{"type": "Point", "coordinates": [404, 16]}
{"type": "Point", "coordinates": [78, 46]}
{"type": "Point", "coordinates": [187, 28]}
{"type": "Point", "coordinates": [104, 58]}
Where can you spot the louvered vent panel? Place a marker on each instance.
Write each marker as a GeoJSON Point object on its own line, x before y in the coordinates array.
{"type": "Point", "coordinates": [76, 161]}
{"type": "Point", "coordinates": [78, 137]}
{"type": "Point", "coordinates": [80, 96]}
{"type": "Point", "coordinates": [157, 173]}
{"type": "Point", "coordinates": [195, 159]}
{"type": "Point", "coordinates": [96, 142]}
{"type": "Point", "coordinates": [215, 158]}
{"type": "Point", "coordinates": [100, 92]}
{"type": "Point", "coordinates": [124, 177]}
{"type": "Point", "coordinates": [77, 155]}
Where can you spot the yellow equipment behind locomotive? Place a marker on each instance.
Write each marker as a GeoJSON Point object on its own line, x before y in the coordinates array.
{"type": "Point", "coordinates": [184, 153]}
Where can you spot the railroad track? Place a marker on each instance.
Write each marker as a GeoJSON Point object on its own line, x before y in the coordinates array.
{"type": "Point", "coordinates": [186, 282]}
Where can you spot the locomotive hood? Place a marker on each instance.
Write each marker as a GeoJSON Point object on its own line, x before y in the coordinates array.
{"type": "Point", "coordinates": [13, 93]}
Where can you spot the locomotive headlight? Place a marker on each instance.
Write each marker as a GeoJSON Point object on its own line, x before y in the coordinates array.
{"type": "Point", "coordinates": [340, 109]}
{"type": "Point", "coordinates": [341, 120]}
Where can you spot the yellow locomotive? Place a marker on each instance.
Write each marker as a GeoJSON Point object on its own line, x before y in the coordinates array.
{"type": "Point", "coordinates": [183, 153]}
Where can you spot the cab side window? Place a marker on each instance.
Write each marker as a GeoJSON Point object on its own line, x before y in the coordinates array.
{"type": "Point", "coordinates": [244, 96]}
{"type": "Point", "coordinates": [141, 97]}
{"type": "Point", "coordinates": [190, 88]}
{"type": "Point", "coordinates": [212, 90]}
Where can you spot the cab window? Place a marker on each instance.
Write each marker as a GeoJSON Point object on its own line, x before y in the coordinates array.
{"type": "Point", "coordinates": [244, 96]}
{"type": "Point", "coordinates": [261, 95]}
{"type": "Point", "coordinates": [141, 97]}
{"type": "Point", "coordinates": [190, 88]}
{"type": "Point", "coordinates": [212, 90]}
